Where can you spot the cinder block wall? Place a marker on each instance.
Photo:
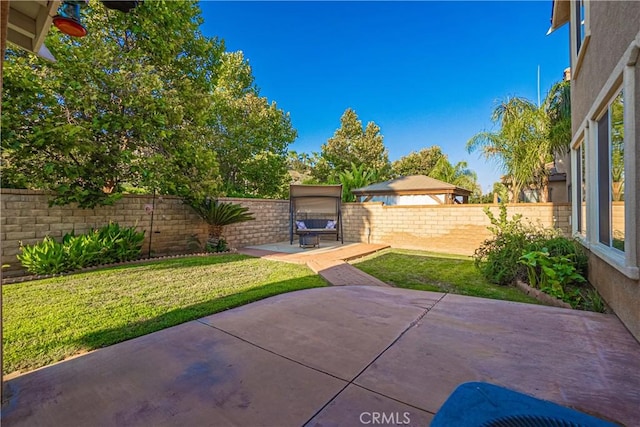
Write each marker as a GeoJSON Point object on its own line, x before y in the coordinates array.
{"type": "Point", "coordinates": [271, 224]}
{"type": "Point", "coordinates": [26, 217]}
{"type": "Point", "coordinates": [458, 229]}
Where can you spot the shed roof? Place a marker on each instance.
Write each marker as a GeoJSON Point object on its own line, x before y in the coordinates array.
{"type": "Point", "coordinates": [412, 184]}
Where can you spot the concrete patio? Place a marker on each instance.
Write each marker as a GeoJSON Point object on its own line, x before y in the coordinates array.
{"type": "Point", "coordinates": [332, 356]}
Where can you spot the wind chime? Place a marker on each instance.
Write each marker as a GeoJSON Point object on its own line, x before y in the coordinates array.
{"type": "Point", "coordinates": [69, 21]}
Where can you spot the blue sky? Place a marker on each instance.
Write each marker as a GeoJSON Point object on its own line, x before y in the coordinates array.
{"type": "Point", "coordinates": [428, 73]}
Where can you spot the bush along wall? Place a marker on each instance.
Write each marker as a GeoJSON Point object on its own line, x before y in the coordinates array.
{"type": "Point", "coordinates": [548, 261]}
{"type": "Point", "coordinates": [106, 245]}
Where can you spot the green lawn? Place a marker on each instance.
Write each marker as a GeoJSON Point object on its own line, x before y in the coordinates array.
{"type": "Point", "coordinates": [427, 271]}
{"type": "Point", "coordinates": [49, 320]}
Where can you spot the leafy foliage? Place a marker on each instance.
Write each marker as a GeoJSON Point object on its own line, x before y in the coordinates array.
{"type": "Point", "coordinates": [528, 137]}
{"type": "Point", "coordinates": [546, 259]}
{"type": "Point", "coordinates": [420, 162]}
{"type": "Point", "coordinates": [47, 257]}
{"type": "Point", "coordinates": [354, 178]}
{"type": "Point", "coordinates": [128, 106]}
{"type": "Point", "coordinates": [498, 258]}
{"type": "Point", "coordinates": [434, 163]}
{"type": "Point", "coordinates": [352, 144]}
{"type": "Point", "coordinates": [118, 106]}
{"type": "Point", "coordinates": [520, 147]}
{"type": "Point", "coordinates": [301, 166]}
{"type": "Point", "coordinates": [560, 277]}
{"type": "Point", "coordinates": [558, 108]}
{"type": "Point", "coordinates": [550, 273]}
{"type": "Point", "coordinates": [106, 245]}
{"type": "Point", "coordinates": [251, 135]}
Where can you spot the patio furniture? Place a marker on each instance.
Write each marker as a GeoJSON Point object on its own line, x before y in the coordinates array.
{"type": "Point", "coordinates": [315, 210]}
{"type": "Point", "coordinates": [309, 240]}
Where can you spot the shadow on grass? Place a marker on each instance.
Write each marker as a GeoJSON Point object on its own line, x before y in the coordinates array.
{"type": "Point", "coordinates": [429, 272]}
{"type": "Point", "coordinates": [106, 337]}
{"type": "Point", "coordinates": [174, 263]}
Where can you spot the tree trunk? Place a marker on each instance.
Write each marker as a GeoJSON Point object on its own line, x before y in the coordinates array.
{"type": "Point", "coordinates": [617, 190]}
{"type": "Point", "coordinates": [215, 233]}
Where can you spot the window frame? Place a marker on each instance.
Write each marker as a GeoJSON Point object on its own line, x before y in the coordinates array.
{"type": "Point", "coordinates": [580, 229]}
{"type": "Point", "coordinates": [580, 34]}
{"type": "Point", "coordinates": [625, 262]}
{"type": "Point", "coordinates": [624, 75]}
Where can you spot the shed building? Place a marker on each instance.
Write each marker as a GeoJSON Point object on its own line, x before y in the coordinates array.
{"type": "Point", "coordinates": [413, 190]}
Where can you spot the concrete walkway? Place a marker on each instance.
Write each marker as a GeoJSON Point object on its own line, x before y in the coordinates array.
{"type": "Point", "coordinates": [328, 262]}
{"type": "Point", "coordinates": [334, 356]}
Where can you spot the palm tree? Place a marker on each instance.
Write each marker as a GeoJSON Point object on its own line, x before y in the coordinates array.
{"type": "Point", "coordinates": [520, 147]}
{"type": "Point", "coordinates": [458, 174]}
{"type": "Point", "coordinates": [217, 215]}
{"type": "Point", "coordinates": [558, 108]}
{"type": "Point", "coordinates": [356, 177]}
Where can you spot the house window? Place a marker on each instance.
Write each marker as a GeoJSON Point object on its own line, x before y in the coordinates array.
{"type": "Point", "coordinates": [581, 190]}
{"type": "Point", "coordinates": [580, 34]}
{"type": "Point", "coordinates": [580, 23]}
{"type": "Point", "coordinates": [610, 174]}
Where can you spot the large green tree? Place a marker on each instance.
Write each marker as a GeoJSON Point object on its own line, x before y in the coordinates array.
{"type": "Point", "coordinates": [300, 166]}
{"type": "Point", "coordinates": [128, 103]}
{"type": "Point", "coordinates": [352, 144]}
{"type": "Point", "coordinates": [251, 134]}
{"type": "Point", "coordinates": [418, 162]}
{"type": "Point", "coordinates": [143, 100]}
{"type": "Point", "coordinates": [528, 137]}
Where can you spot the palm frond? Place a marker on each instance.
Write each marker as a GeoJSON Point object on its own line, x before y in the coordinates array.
{"type": "Point", "coordinates": [216, 213]}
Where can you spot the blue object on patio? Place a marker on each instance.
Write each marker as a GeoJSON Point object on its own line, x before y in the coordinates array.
{"type": "Point", "coordinates": [477, 404]}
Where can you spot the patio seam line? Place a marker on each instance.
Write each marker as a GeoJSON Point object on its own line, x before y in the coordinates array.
{"type": "Point", "coordinates": [272, 352]}
{"type": "Point", "coordinates": [411, 325]}
{"type": "Point", "coordinates": [393, 398]}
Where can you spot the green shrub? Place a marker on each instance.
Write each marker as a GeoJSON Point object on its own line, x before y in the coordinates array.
{"type": "Point", "coordinates": [552, 274]}
{"type": "Point", "coordinates": [547, 260]}
{"type": "Point", "coordinates": [560, 246]}
{"type": "Point", "coordinates": [47, 257]}
{"type": "Point", "coordinates": [498, 258]}
{"type": "Point", "coordinates": [221, 246]}
{"type": "Point", "coordinates": [106, 245]}
{"type": "Point", "coordinates": [594, 302]}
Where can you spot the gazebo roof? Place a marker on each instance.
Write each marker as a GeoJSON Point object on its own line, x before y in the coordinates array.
{"type": "Point", "coordinates": [412, 184]}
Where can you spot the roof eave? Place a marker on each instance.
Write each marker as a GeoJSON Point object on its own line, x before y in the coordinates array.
{"type": "Point", "coordinates": [560, 14]}
{"type": "Point", "coordinates": [29, 22]}
{"type": "Point", "coordinates": [417, 192]}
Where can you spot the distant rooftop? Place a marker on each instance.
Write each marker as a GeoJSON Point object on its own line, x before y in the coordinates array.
{"type": "Point", "coordinates": [412, 184]}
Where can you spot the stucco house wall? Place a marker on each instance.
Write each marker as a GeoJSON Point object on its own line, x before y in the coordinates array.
{"type": "Point", "coordinates": [607, 62]}
{"type": "Point", "coordinates": [613, 25]}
